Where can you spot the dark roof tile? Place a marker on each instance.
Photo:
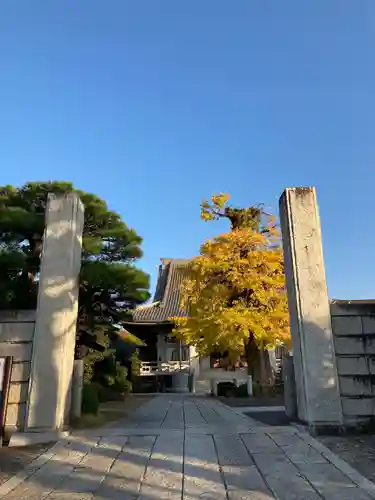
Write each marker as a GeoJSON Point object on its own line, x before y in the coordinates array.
{"type": "Point", "coordinates": [166, 304]}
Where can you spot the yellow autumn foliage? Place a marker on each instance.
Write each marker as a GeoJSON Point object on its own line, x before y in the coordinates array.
{"type": "Point", "coordinates": [235, 289]}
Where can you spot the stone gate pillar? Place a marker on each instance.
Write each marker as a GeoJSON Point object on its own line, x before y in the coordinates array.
{"type": "Point", "coordinates": [55, 327]}
{"type": "Point", "coordinates": [318, 397]}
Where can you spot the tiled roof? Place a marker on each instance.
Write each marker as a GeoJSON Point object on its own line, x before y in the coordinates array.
{"type": "Point", "coordinates": [166, 302]}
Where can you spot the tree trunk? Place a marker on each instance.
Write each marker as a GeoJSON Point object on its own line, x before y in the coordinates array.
{"type": "Point", "coordinates": [267, 374]}
{"type": "Point", "coordinates": [258, 363]}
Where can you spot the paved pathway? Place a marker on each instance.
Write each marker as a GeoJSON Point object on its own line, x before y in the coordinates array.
{"type": "Point", "coordinates": [188, 448]}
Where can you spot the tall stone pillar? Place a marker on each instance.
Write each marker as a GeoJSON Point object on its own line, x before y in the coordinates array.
{"type": "Point", "coordinates": [55, 328]}
{"type": "Point", "coordinates": [318, 396]}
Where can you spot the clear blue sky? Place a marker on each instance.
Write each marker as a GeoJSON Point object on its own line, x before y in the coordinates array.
{"type": "Point", "coordinates": [154, 105]}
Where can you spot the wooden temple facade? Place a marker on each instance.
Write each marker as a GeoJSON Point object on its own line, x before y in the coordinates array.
{"type": "Point", "coordinates": [163, 355]}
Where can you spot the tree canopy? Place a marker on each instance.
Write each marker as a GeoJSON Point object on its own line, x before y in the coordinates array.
{"type": "Point", "coordinates": [110, 283]}
{"type": "Point", "coordinates": [234, 291]}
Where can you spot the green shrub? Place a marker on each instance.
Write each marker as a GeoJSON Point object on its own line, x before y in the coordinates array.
{"type": "Point", "coordinates": [121, 382]}
{"type": "Point", "coordinates": [109, 394]}
{"type": "Point", "coordinates": [90, 399]}
{"type": "Point", "coordinates": [110, 374]}
{"type": "Point", "coordinates": [135, 365]}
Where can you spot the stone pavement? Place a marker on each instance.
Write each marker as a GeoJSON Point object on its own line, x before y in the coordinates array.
{"type": "Point", "coordinates": [184, 447]}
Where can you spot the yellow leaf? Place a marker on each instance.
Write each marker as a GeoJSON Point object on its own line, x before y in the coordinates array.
{"type": "Point", "coordinates": [235, 288]}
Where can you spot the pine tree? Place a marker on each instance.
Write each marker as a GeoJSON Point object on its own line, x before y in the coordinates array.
{"type": "Point", "coordinates": [110, 283]}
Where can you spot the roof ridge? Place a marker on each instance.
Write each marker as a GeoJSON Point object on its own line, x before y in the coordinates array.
{"type": "Point", "coordinates": [151, 304]}
{"type": "Point", "coordinates": [166, 261]}
{"type": "Point", "coordinates": [161, 283]}
{"type": "Point", "coordinates": [168, 284]}
{"type": "Point", "coordinates": [170, 278]}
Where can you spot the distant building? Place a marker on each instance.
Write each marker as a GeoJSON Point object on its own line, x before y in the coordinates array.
{"type": "Point", "coordinates": [163, 354]}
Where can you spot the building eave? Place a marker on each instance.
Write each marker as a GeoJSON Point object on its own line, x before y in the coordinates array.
{"type": "Point", "coordinates": [147, 323]}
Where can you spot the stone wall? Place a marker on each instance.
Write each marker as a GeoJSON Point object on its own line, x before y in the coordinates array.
{"type": "Point", "coordinates": [353, 325]}
{"type": "Point", "coordinates": [16, 340]}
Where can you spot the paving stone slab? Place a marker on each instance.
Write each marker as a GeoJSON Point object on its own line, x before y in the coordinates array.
{"type": "Point", "coordinates": [285, 438]}
{"type": "Point", "coordinates": [189, 448]}
{"type": "Point", "coordinates": [232, 451]}
{"type": "Point", "coordinates": [90, 472]}
{"type": "Point", "coordinates": [45, 480]}
{"type": "Point", "coordinates": [284, 480]}
{"type": "Point", "coordinates": [202, 476]}
{"type": "Point", "coordinates": [70, 496]}
{"type": "Point", "coordinates": [362, 482]}
{"type": "Point", "coordinates": [325, 475]}
{"type": "Point", "coordinates": [294, 488]}
{"type": "Point", "coordinates": [164, 470]}
{"type": "Point", "coordinates": [303, 453]}
{"type": "Point", "coordinates": [260, 443]}
{"type": "Point", "coordinates": [338, 493]}
{"type": "Point", "coordinates": [274, 464]}
{"type": "Point", "coordinates": [245, 483]}
{"type": "Point", "coordinates": [125, 477]}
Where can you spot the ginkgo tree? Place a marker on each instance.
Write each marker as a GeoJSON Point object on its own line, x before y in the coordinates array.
{"type": "Point", "coordinates": [234, 290]}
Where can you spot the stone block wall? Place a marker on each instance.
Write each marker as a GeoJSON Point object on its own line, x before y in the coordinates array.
{"type": "Point", "coordinates": [353, 326]}
{"type": "Point", "coordinates": [16, 340]}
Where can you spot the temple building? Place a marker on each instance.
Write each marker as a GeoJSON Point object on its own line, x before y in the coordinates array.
{"type": "Point", "coordinates": [166, 362]}
{"type": "Point", "coordinates": [164, 357]}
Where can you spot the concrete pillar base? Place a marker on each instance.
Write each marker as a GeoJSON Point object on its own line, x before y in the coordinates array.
{"type": "Point", "coordinates": [32, 438]}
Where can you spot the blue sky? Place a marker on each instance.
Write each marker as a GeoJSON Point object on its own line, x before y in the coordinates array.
{"type": "Point", "coordinates": [154, 105]}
